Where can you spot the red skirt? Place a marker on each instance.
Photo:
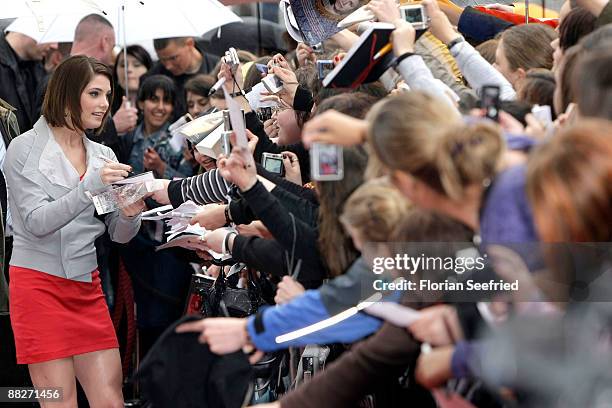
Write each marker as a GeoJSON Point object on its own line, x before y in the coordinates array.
{"type": "Point", "coordinates": [55, 318]}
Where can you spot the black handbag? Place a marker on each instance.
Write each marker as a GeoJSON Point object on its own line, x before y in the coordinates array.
{"type": "Point", "coordinates": [206, 294]}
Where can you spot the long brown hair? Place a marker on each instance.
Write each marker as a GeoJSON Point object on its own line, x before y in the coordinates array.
{"type": "Point", "coordinates": [569, 184]}
{"type": "Point", "coordinates": [335, 244]}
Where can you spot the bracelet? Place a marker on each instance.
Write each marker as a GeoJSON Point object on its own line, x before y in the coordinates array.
{"type": "Point", "coordinates": [239, 93]}
{"type": "Point", "coordinates": [225, 249]}
{"type": "Point", "coordinates": [402, 57]}
{"type": "Point", "coordinates": [455, 42]}
{"type": "Point", "coordinates": [228, 216]}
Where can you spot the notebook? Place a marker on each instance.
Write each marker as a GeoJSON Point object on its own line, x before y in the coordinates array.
{"type": "Point", "coordinates": [358, 66]}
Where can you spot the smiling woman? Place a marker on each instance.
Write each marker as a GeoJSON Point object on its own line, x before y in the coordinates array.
{"type": "Point", "coordinates": [58, 311]}
{"type": "Point", "coordinates": [81, 101]}
{"type": "Point", "coordinates": [148, 146]}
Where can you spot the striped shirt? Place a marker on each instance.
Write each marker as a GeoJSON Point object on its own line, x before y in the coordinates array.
{"type": "Point", "coordinates": [205, 188]}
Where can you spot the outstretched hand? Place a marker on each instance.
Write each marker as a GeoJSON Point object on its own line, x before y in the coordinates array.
{"type": "Point", "coordinates": [334, 127]}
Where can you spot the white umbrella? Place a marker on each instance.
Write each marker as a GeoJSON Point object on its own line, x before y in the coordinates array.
{"type": "Point", "coordinates": [139, 20]}
{"type": "Point", "coordinates": [149, 19]}
{"type": "Point", "coordinates": [44, 8]}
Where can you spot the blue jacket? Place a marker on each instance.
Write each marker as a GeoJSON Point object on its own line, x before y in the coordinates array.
{"type": "Point", "coordinates": [313, 306]}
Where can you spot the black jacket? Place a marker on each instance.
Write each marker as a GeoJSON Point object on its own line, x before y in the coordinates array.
{"type": "Point", "coordinates": [209, 62]}
{"type": "Point", "coordinates": [180, 372]}
{"type": "Point", "coordinates": [302, 202]}
{"type": "Point", "coordinates": [271, 255]}
{"type": "Point", "coordinates": [266, 145]}
{"type": "Point", "coordinates": [19, 81]}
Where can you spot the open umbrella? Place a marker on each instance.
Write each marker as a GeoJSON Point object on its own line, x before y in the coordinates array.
{"type": "Point", "coordinates": [45, 8]}
{"type": "Point", "coordinates": [139, 20]}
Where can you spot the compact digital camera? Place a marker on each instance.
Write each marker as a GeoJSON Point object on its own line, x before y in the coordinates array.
{"type": "Point", "coordinates": [324, 67]}
{"type": "Point", "coordinates": [272, 83]}
{"type": "Point", "coordinates": [231, 58]}
{"type": "Point", "coordinates": [273, 163]}
{"type": "Point", "coordinates": [326, 162]}
{"type": "Point", "coordinates": [416, 15]}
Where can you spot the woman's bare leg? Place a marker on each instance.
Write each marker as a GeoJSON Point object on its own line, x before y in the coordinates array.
{"type": "Point", "coordinates": [56, 374]}
{"type": "Point", "coordinates": [100, 375]}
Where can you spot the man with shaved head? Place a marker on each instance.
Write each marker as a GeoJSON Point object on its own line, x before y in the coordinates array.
{"type": "Point", "coordinates": [94, 37]}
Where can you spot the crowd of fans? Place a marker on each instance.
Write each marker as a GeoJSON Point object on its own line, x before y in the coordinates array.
{"type": "Point", "coordinates": [424, 162]}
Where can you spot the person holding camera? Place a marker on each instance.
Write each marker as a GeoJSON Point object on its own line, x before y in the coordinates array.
{"type": "Point", "coordinates": [59, 315]}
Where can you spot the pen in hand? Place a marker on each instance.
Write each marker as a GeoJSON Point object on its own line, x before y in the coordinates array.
{"type": "Point", "coordinates": [108, 160]}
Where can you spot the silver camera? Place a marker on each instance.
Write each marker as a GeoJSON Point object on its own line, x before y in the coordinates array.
{"type": "Point", "coordinates": [415, 15]}
{"type": "Point", "coordinates": [231, 58]}
{"type": "Point", "coordinates": [272, 83]}
{"type": "Point", "coordinates": [318, 48]}
{"type": "Point", "coordinates": [273, 163]}
{"type": "Point", "coordinates": [324, 67]}
{"type": "Point", "coordinates": [326, 162]}
{"type": "Point", "coordinates": [225, 143]}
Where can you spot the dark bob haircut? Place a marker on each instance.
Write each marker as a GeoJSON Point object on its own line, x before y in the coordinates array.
{"type": "Point", "coordinates": [151, 84]}
{"type": "Point", "coordinates": [65, 88]}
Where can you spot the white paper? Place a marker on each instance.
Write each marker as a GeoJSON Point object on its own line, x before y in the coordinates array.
{"type": "Point", "coordinates": [186, 210]}
{"type": "Point", "coordinates": [177, 141]}
{"type": "Point", "coordinates": [199, 128]}
{"type": "Point", "coordinates": [157, 210]}
{"type": "Point", "coordinates": [194, 230]}
{"type": "Point", "coordinates": [191, 242]}
{"type": "Point", "coordinates": [212, 145]}
{"type": "Point", "coordinates": [237, 119]}
{"type": "Point", "coordinates": [357, 16]}
{"type": "Point", "coordinates": [254, 98]}
{"type": "Point", "coordinates": [191, 238]}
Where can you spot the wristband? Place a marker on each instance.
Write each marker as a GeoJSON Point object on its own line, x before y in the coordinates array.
{"type": "Point", "coordinates": [402, 57]}
{"type": "Point", "coordinates": [239, 93]}
{"type": "Point", "coordinates": [455, 42]}
{"type": "Point", "coordinates": [225, 249]}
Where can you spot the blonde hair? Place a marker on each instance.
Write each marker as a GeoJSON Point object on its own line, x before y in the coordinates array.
{"type": "Point", "coordinates": [424, 137]}
{"type": "Point", "coordinates": [374, 209]}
